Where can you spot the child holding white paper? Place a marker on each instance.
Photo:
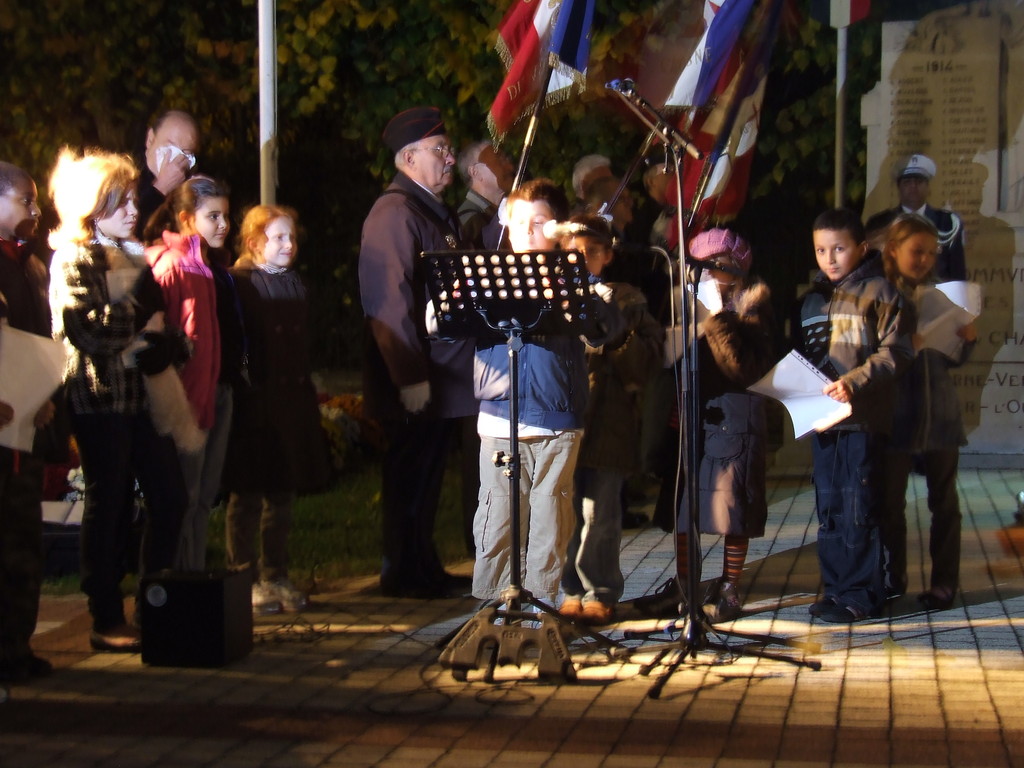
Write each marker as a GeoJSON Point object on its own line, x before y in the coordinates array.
{"type": "Point", "coordinates": [735, 351]}
{"type": "Point", "coordinates": [927, 429]}
{"type": "Point", "coordinates": [23, 306]}
{"type": "Point", "coordinates": [852, 326]}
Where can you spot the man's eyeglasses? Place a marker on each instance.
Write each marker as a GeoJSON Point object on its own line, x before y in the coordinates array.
{"type": "Point", "coordinates": [443, 150]}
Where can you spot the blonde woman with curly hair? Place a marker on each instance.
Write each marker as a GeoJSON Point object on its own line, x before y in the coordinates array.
{"type": "Point", "coordinates": [100, 315]}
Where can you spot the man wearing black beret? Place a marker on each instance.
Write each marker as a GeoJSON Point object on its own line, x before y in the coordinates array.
{"type": "Point", "coordinates": [416, 387]}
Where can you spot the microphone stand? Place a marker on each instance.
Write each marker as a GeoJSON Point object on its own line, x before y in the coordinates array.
{"type": "Point", "coordinates": [693, 636]}
{"type": "Point", "coordinates": [608, 204]}
{"type": "Point", "coordinates": [659, 129]}
{"type": "Point", "coordinates": [649, 116]}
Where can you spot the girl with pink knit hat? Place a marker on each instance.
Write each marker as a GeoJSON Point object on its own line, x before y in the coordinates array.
{"type": "Point", "coordinates": [734, 351]}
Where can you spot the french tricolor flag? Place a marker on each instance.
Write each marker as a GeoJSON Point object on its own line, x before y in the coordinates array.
{"type": "Point", "coordinates": [724, 21]}
{"type": "Point", "coordinates": [533, 35]}
{"type": "Point", "coordinates": [839, 13]}
{"type": "Point", "coordinates": [726, 129]}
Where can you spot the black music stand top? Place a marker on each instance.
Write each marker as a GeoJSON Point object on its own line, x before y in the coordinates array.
{"type": "Point", "coordinates": [484, 294]}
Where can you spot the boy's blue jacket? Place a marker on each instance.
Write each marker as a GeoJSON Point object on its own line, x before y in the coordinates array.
{"type": "Point", "coordinates": [553, 385]}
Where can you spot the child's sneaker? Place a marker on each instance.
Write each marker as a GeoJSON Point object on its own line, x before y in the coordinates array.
{"type": "Point", "coordinates": [286, 594]}
{"type": "Point", "coordinates": [264, 600]}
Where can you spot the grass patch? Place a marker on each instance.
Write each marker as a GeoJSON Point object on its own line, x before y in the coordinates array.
{"type": "Point", "coordinates": [68, 584]}
{"type": "Point", "coordinates": [335, 534]}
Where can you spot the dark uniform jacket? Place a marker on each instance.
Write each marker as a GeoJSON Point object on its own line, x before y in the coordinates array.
{"type": "Point", "coordinates": [405, 221]}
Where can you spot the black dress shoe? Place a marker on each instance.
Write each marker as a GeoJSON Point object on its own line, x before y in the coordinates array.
{"type": "Point", "coordinates": [458, 586]}
{"type": "Point", "coordinates": [426, 591]}
{"type": "Point", "coordinates": [820, 606]}
{"type": "Point", "coordinates": [932, 601]}
{"type": "Point", "coordinates": [20, 670]}
{"type": "Point", "coordinates": [842, 614]}
{"type": "Point", "coordinates": [666, 602]}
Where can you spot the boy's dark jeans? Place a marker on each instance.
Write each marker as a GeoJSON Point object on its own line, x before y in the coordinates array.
{"type": "Point", "coordinates": [848, 491]}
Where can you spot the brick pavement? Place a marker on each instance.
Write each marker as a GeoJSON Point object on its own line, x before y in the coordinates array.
{"type": "Point", "coordinates": [354, 681]}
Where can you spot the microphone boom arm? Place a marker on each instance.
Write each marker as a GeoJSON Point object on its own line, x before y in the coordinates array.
{"type": "Point", "coordinates": [649, 116]}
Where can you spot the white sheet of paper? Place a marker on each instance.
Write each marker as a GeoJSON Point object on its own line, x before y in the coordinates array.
{"type": "Point", "coordinates": [944, 309]}
{"type": "Point", "coordinates": [31, 368]}
{"type": "Point", "coordinates": [964, 294]}
{"type": "Point", "coordinates": [63, 512]}
{"type": "Point", "coordinates": [709, 295]}
{"type": "Point", "coordinates": [797, 384]}
{"type": "Point", "coordinates": [709, 301]}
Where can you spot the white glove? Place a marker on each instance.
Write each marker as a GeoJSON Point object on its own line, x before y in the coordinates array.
{"type": "Point", "coordinates": [604, 291]}
{"type": "Point", "coordinates": [415, 396]}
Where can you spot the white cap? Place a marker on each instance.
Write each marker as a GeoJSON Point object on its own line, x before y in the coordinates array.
{"type": "Point", "coordinates": [917, 165]}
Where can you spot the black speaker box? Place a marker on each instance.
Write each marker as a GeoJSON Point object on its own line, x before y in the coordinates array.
{"type": "Point", "coordinates": [199, 619]}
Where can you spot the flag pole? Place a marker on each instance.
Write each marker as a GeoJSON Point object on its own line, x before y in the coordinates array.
{"type": "Point", "coordinates": [841, 53]}
{"type": "Point", "coordinates": [531, 129]}
{"type": "Point", "coordinates": [768, 33]}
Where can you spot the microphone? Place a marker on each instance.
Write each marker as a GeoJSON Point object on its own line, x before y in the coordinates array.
{"type": "Point", "coordinates": [556, 230]}
{"type": "Point", "coordinates": [719, 266]}
{"type": "Point", "coordinates": [626, 87]}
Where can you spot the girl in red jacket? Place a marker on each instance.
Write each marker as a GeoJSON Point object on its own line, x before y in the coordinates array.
{"type": "Point", "coordinates": [191, 222]}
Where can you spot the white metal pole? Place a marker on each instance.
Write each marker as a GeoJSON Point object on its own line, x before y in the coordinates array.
{"type": "Point", "coordinates": [841, 46]}
{"type": "Point", "coordinates": [268, 100]}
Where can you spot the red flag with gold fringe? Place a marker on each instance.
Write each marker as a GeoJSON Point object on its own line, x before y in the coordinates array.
{"type": "Point", "coordinates": [534, 35]}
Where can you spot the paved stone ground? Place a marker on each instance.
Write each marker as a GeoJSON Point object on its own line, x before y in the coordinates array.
{"type": "Point", "coordinates": [355, 681]}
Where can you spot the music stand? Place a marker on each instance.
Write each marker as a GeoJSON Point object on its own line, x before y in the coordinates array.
{"type": "Point", "coordinates": [493, 295]}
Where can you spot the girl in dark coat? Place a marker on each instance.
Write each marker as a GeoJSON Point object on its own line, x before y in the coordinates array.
{"type": "Point", "coordinates": [735, 351]}
{"type": "Point", "coordinates": [277, 447]}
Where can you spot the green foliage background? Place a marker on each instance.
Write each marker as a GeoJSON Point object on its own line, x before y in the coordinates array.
{"type": "Point", "coordinates": [96, 72]}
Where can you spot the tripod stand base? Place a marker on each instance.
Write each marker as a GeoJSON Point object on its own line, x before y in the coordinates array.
{"type": "Point", "coordinates": [693, 639]}
{"type": "Point", "coordinates": [507, 643]}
